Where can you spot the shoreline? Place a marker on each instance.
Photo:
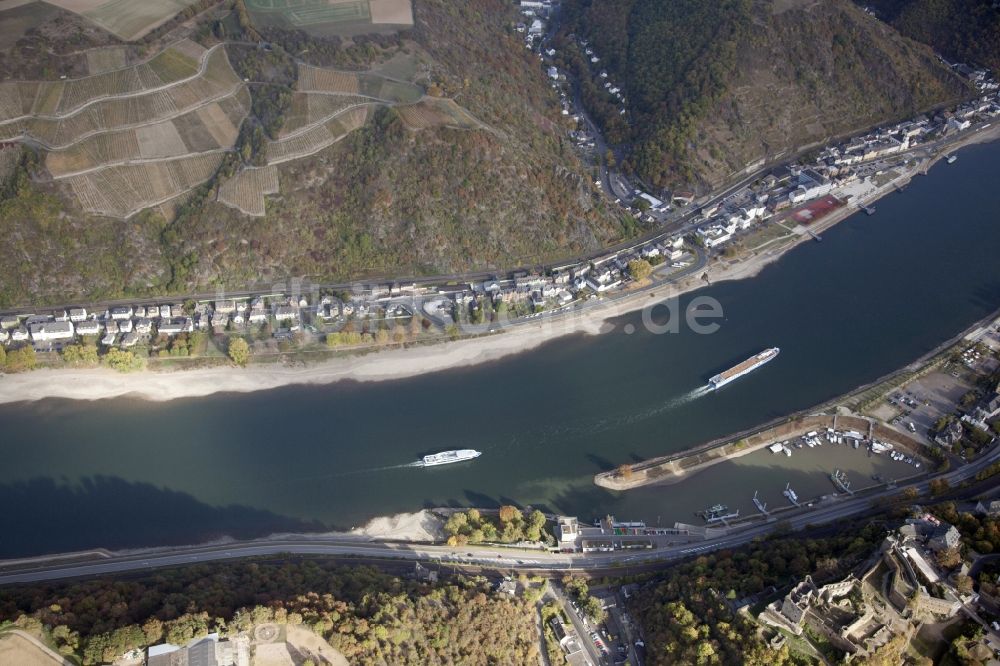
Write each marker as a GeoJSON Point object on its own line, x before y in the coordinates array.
{"type": "Point", "coordinates": [401, 363]}
{"type": "Point", "coordinates": [390, 364]}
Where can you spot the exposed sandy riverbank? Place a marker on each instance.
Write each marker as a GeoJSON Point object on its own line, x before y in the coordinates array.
{"type": "Point", "coordinates": [99, 383]}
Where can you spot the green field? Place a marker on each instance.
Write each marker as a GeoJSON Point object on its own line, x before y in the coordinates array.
{"type": "Point", "coordinates": [376, 86]}
{"type": "Point", "coordinates": [311, 15]}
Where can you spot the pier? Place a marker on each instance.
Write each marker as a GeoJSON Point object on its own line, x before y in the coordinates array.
{"type": "Point", "coordinates": [761, 506]}
{"type": "Point", "coordinates": [815, 236]}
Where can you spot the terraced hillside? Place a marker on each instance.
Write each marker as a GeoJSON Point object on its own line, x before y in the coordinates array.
{"type": "Point", "coordinates": [442, 149]}
{"type": "Point", "coordinates": [133, 137]}
{"type": "Point", "coordinates": [712, 86]}
{"type": "Point", "coordinates": [475, 174]}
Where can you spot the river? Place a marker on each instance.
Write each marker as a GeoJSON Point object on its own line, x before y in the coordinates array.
{"type": "Point", "coordinates": [877, 293]}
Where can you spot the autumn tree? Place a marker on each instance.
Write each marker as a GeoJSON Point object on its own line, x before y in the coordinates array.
{"type": "Point", "coordinates": [639, 269]}
{"type": "Point", "coordinates": [949, 558]}
{"type": "Point", "coordinates": [20, 359]}
{"type": "Point", "coordinates": [939, 486]}
{"type": "Point", "coordinates": [79, 355]}
{"type": "Point", "coordinates": [123, 360]}
{"type": "Point", "coordinates": [509, 514]}
{"type": "Point", "coordinates": [239, 351]}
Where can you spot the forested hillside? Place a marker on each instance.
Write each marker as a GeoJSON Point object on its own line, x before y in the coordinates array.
{"type": "Point", "coordinates": [964, 30]}
{"type": "Point", "coordinates": [369, 616]}
{"type": "Point", "coordinates": [485, 179]}
{"type": "Point", "coordinates": [712, 86]}
{"type": "Point", "coordinates": [686, 611]}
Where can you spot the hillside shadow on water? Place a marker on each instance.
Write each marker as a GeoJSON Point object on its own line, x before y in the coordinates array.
{"type": "Point", "coordinates": [43, 515]}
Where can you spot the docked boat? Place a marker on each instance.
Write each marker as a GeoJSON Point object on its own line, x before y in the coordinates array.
{"type": "Point", "coordinates": [743, 368]}
{"type": "Point", "coordinates": [718, 513]}
{"type": "Point", "coordinates": [880, 447]}
{"type": "Point", "coordinates": [841, 481]}
{"type": "Point", "coordinates": [448, 457]}
{"type": "Point", "coordinates": [790, 494]}
{"type": "Point", "coordinates": [952, 158]}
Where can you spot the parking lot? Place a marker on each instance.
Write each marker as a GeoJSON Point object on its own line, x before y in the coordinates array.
{"type": "Point", "coordinates": [922, 402]}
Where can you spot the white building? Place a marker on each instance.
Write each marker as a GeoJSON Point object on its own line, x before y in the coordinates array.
{"type": "Point", "coordinates": [55, 330]}
{"type": "Point", "coordinates": [569, 529]}
{"type": "Point", "coordinates": [121, 312]}
{"type": "Point", "coordinates": [175, 327]}
{"type": "Point", "coordinates": [130, 339]}
{"type": "Point", "coordinates": [285, 313]}
{"type": "Point", "coordinates": [715, 235]}
{"type": "Point", "coordinates": [88, 327]}
{"type": "Point", "coordinates": [959, 125]}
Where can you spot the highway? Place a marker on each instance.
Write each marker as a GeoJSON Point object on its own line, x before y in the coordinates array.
{"type": "Point", "coordinates": [479, 557]}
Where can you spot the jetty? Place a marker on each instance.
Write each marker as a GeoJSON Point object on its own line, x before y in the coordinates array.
{"type": "Point", "coordinates": [761, 506]}
{"type": "Point", "coordinates": [719, 513]}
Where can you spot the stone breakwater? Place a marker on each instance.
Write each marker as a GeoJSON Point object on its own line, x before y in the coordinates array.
{"type": "Point", "coordinates": [667, 470]}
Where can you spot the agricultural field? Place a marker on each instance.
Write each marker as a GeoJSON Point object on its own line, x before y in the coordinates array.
{"type": "Point", "coordinates": [317, 79]}
{"type": "Point", "coordinates": [62, 98]}
{"type": "Point", "coordinates": [100, 149]}
{"type": "Point", "coordinates": [105, 59]}
{"type": "Point", "coordinates": [391, 12]}
{"type": "Point", "coordinates": [388, 90]}
{"type": "Point", "coordinates": [314, 139]}
{"type": "Point", "coordinates": [311, 108]}
{"type": "Point", "coordinates": [113, 113]}
{"type": "Point", "coordinates": [369, 84]}
{"type": "Point", "coordinates": [207, 128]}
{"type": "Point", "coordinates": [332, 17]}
{"type": "Point", "coordinates": [15, 648]}
{"type": "Point", "coordinates": [402, 66]}
{"type": "Point", "coordinates": [128, 20]}
{"type": "Point", "coordinates": [123, 190]}
{"type": "Point", "coordinates": [121, 146]}
{"type": "Point", "coordinates": [246, 190]}
{"type": "Point", "coordinates": [434, 112]}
